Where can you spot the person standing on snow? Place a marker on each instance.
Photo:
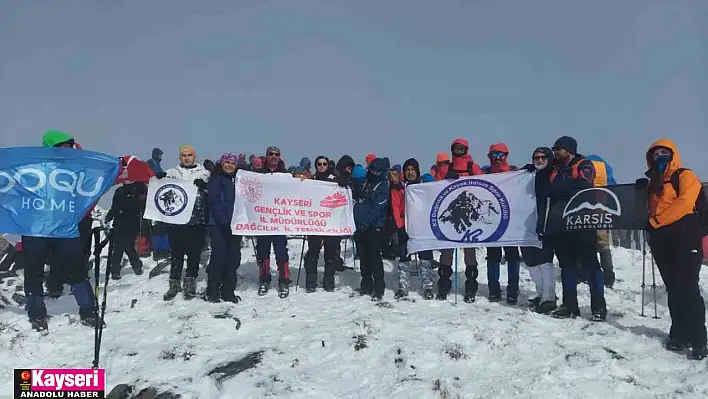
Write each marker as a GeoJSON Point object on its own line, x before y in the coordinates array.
{"type": "Point", "coordinates": [188, 239]}
{"type": "Point", "coordinates": [539, 261]}
{"type": "Point", "coordinates": [499, 163]}
{"type": "Point", "coordinates": [126, 214]}
{"type": "Point", "coordinates": [273, 164]}
{"type": "Point", "coordinates": [371, 203]}
{"type": "Point", "coordinates": [225, 246]}
{"type": "Point", "coordinates": [303, 171]}
{"type": "Point", "coordinates": [461, 165]}
{"type": "Point", "coordinates": [675, 234]}
{"type": "Point", "coordinates": [604, 177]}
{"type": "Point", "coordinates": [155, 160]}
{"type": "Point", "coordinates": [571, 174]}
{"type": "Point", "coordinates": [314, 243]}
{"type": "Point", "coordinates": [411, 175]}
{"type": "Point", "coordinates": [66, 253]}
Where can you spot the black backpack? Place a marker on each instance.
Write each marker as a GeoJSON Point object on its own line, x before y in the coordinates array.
{"type": "Point", "coordinates": [701, 206]}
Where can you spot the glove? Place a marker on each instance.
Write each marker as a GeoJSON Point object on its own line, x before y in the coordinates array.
{"type": "Point", "coordinates": [641, 184]}
{"type": "Point", "coordinates": [160, 175]}
{"type": "Point", "coordinates": [200, 183]}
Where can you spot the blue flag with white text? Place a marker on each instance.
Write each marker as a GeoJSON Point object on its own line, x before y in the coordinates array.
{"type": "Point", "coordinates": [46, 191]}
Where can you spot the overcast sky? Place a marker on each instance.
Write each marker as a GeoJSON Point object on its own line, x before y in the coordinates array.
{"type": "Point", "coordinates": [399, 78]}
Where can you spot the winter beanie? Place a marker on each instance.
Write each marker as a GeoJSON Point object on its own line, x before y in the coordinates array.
{"type": "Point", "coordinates": [370, 158]}
{"type": "Point", "coordinates": [55, 138]}
{"type": "Point", "coordinates": [272, 149]}
{"type": "Point", "coordinates": [228, 157]}
{"type": "Point", "coordinates": [397, 168]}
{"type": "Point", "coordinates": [567, 143]}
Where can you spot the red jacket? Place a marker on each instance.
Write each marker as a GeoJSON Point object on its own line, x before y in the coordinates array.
{"type": "Point", "coordinates": [398, 205]}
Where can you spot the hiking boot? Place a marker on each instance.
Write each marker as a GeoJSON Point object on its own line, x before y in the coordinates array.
{"type": "Point", "coordinates": [230, 296]}
{"type": "Point", "coordinates": [534, 302]}
{"type": "Point", "coordinates": [283, 289]}
{"type": "Point", "coordinates": [212, 293]}
{"type": "Point", "coordinates": [494, 298]}
{"type": "Point", "coordinates": [699, 352]}
{"type": "Point", "coordinates": [545, 307]}
{"type": "Point", "coordinates": [175, 288]}
{"type": "Point", "coordinates": [565, 312]}
{"type": "Point", "coordinates": [469, 298]}
{"type": "Point", "coordinates": [138, 269]}
{"type": "Point", "coordinates": [115, 276]}
{"type": "Point", "coordinates": [675, 345]}
{"type": "Point", "coordinates": [428, 294]}
{"type": "Point", "coordinates": [190, 287]}
{"type": "Point", "coordinates": [39, 324]}
{"type": "Point", "coordinates": [310, 289]}
{"type": "Point", "coordinates": [400, 294]}
{"type": "Point", "coordinates": [89, 318]}
{"type": "Point", "coordinates": [511, 300]}
{"type": "Point", "coordinates": [599, 315]}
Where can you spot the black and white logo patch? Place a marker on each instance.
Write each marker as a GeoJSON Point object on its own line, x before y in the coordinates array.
{"type": "Point", "coordinates": [592, 209]}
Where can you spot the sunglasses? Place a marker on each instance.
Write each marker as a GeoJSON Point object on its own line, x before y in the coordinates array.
{"type": "Point", "coordinates": [274, 154]}
{"type": "Point", "coordinates": [322, 164]}
{"type": "Point", "coordinates": [497, 154]}
{"type": "Point", "coordinates": [539, 158]}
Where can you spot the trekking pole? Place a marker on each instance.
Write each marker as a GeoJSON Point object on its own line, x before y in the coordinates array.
{"type": "Point", "coordinates": [255, 253]}
{"type": "Point", "coordinates": [644, 269]}
{"type": "Point", "coordinates": [653, 286]}
{"type": "Point", "coordinates": [302, 253]}
{"type": "Point", "coordinates": [98, 248]}
{"type": "Point", "coordinates": [354, 250]}
{"type": "Point", "coordinates": [456, 285]}
{"type": "Point", "coordinates": [344, 258]}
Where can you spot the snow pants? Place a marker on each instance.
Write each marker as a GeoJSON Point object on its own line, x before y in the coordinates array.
{"type": "Point", "coordinates": [280, 247]}
{"type": "Point", "coordinates": [124, 242]}
{"type": "Point", "coordinates": [369, 243]}
{"type": "Point", "coordinates": [186, 240]}
{"type": "Point", "coordinates": [58, 275]}
{"type": "Point", "coordinates": [67, 253]}
{"type": "Point", "coordinates": [445, 271]}
{"type": "Point", "coordinates": [539, 261]}
{"type": "Point", "coordinates": [574, 247]}
{"type": "Point", "coordinates": [494, 257]}
{"type": "Point", "coordinates": [225, 259]}
{"type": "Point", "coordinates": [331, 253]}
{"type": "Point", "coordinates": [425, 264]}
{"type": "Point", "coordinates": [678, 254]}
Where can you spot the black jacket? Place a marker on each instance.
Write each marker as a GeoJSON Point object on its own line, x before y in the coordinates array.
{"type": "Point", "coordinates": [128, 207]}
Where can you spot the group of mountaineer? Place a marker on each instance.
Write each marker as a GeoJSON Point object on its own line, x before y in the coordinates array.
{"type": "Point", "coordinates": [379, 189]}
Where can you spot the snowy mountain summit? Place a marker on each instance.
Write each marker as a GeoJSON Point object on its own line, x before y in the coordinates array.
{"type": "Point", "coordinates": [341, 345]}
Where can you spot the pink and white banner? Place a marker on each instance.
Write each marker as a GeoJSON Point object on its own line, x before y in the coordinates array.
{"type": "Point", "coordinates": [275, 204]}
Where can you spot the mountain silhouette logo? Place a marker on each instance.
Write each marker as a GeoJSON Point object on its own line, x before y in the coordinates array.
{"type": "Point", "coordinates": [335, 200]}
{"type": "Point", "coordinates": [594, 199]}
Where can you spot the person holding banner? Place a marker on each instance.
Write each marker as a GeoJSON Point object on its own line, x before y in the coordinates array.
{"type": "Point", "coordinates": [126, 215]}
{"type": "Point", "coordinates": [539, 261]}
{"type": "Point", "coordinates": [225, 247]}
{"type": "Point", "coordinates": [58, 235]}
{"type": "Point", "coordinates": [571, 174]}
{"type": "Point", "coordinates": [411, 175]}
{"type": "Point", "coordinates": [315, 243]}
{"type": "Point", "coordinates": [371, 204]}
{"type": "Point", "coordinates": [675, 235]}
{"type": "Point", "coordinates": [499, 163]}
{"type": "Point", "coordinates": [273, 164]}
{"type": "Point", "coordinates": [188, 239]}
{"type": "Point", "coordinates": [461, 165]}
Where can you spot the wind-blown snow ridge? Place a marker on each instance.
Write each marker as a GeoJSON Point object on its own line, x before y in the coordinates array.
{"type": "Point", "coordinates": [340, 345]}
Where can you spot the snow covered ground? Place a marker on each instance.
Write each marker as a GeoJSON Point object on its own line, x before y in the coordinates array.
{"type": "Point", "coordinates": [340, 345]}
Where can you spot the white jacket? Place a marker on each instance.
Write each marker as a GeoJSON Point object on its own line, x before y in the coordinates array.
{"type": "Point", "coordinates": [182, 173]}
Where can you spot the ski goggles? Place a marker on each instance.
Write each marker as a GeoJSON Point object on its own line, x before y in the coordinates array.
{"type": "Point", "coordinates": [497, 154]}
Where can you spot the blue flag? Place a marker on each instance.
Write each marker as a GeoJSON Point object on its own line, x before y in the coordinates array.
{"type": "Point", "coordinates": [46, 191]}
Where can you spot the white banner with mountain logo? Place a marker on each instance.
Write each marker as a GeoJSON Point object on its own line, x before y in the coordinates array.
{"type": "Point", "coordinates": [494, 210]}
{"type": "Point", "coordinates": [170, 200]}
{"type": "Point", "coordinates": [279, 204]}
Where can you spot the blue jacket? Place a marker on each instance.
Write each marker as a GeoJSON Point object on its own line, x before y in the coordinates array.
{"type": "Point", "coordinates": [610, 175]}
{"type": "Point", "coordinates": [222, 195]}
{"type": "Point", "coordinates": [371, 197]}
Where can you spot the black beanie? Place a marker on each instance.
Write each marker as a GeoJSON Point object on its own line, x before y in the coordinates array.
{"type": "Point", "coordinates": [568, 143]}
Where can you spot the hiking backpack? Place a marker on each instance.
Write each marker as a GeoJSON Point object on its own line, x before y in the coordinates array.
{"type": "Point", "coordinates": [701, 206]}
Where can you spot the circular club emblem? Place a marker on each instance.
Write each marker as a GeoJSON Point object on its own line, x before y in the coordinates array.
{"type": "Point", "coordinates": [470, 211]}
{"type": "Point", "coordinates": [171, 199]}
{"type": "Point", "coordinates": [251, 188]}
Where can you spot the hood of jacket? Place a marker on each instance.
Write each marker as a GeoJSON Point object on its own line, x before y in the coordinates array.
{"type": "Point", "coordinates": [327, 174]}
{"type": "Point", "coordinates": [504, 165]}
{"type": "Point", "coordinates": [381, 163]}
{"type": "Point", "coordinates": [675, 162]}
{"type": "Point", "coordinates": [156, 153]}
{"type": "Point", "coordinates": [411, 162]}
{"type": "Point", "coordinates": [54, 137]}
{"type": "Point", "coordinates": [305, 163]}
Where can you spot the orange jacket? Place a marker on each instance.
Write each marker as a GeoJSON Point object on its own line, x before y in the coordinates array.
{"type": "Point", "coordinates": [669, 206]}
